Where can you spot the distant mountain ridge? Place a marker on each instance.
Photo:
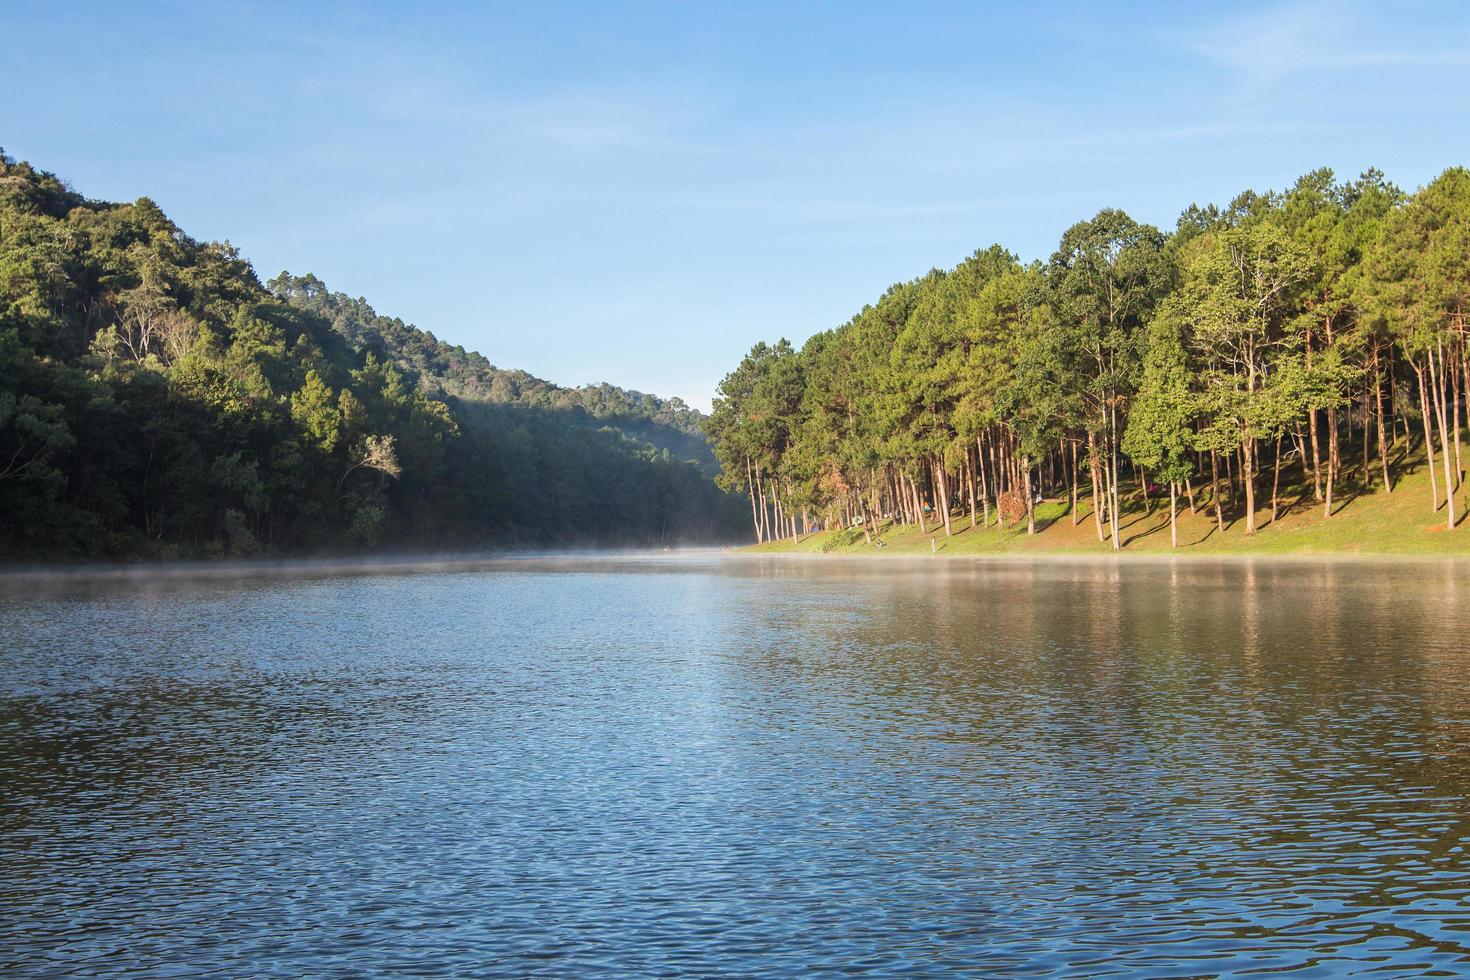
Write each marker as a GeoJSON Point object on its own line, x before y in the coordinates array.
{"type": "Point", "coordinates": [450, 371]}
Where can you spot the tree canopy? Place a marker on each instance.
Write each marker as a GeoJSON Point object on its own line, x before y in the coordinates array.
{"type": "Point", "coordinates": [1250, 336]}
{"type": "Point", "coordinates": [157, 399]}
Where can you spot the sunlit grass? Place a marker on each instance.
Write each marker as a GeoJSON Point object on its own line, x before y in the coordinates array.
{"type": "Point", "coordinates": [1364, 521]}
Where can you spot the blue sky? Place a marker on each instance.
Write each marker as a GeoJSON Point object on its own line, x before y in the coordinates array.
{"type": "Point", "coordinates": [637, 193]}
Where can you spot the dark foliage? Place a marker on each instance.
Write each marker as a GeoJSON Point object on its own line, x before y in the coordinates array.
{"type": "Point", "coordinates": [157, 400]}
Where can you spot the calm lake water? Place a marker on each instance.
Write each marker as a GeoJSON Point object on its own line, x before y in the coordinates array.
{"type": "Point", "coordinates": [708, 764]}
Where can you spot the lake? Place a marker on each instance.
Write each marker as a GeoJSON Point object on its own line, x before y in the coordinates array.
{"type": "Point", "coordinates": [691, 764]}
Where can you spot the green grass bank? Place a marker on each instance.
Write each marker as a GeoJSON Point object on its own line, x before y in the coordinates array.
{"type": "Point", "coordinates": [1365, 520]}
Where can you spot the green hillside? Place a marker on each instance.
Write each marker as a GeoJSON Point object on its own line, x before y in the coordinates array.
{"type": "Point", "coordinates": [158, 400]}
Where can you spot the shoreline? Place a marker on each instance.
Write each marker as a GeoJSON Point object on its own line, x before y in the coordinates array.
{"type": "Point", "coordinates": [1363, 524]}
{"type": "Point", "coordinates": [166, 571]}
{"type": "Point", "coordinates": [177, 572]}
{"type": "Point", "coordinates": [163, 572]}
{"type": "Point", "coordinates": [1121, 557]}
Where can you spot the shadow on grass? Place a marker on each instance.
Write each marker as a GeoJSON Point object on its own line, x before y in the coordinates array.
{"type": "Point", "coordinates": [1146, 534]}
{"type": "Point", "coordinates": [1042, 523]}
{"type": "Point", "coordinates": [1353, 493]}
{"type": "Point", "coordinates": [1285, 506]}
{"type": "Point", "coordinates": [1138, 516]}
{"type": "Point", "coordinates": [1211, 528]}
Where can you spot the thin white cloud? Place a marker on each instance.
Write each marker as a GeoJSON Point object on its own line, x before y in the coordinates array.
{"type": "Point", "coordinates": [1269, 46]}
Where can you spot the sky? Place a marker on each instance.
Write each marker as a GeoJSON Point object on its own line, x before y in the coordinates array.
{"type": "Point", "coordinates": [637, 193]}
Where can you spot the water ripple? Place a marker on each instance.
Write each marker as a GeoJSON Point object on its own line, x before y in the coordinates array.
{"type": "Point", "coordinates": [706, 766]}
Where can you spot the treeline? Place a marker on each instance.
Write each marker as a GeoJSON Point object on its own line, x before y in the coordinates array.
{"type": "Point", "coordinates": [446, 371]}
{"type": "Point", "coordinates": [1312, 330]}
{"type": "Point", "coordinates": [156, 399]}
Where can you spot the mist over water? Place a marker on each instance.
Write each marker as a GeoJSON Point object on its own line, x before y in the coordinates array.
{"type": "Point", "coordinates": [671, 764]}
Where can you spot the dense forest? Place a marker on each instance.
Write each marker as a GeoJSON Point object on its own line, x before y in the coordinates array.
{"type": "Point", "coordinates": [1300, 335]}
{"type": "Point", "coordinates": [156, 399]}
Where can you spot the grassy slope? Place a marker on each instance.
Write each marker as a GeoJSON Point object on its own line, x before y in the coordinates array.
{"type": "Point", "coordinates": [1362, 523]}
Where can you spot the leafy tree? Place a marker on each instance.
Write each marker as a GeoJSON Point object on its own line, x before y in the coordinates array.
{"type": "Point", "coordinates": [1160, 433]}
{"type": "Point", "coordinates": [1235, 294]}
{"type": "Point", "coordinates": [1269, 328]}
{"type": "Point", "coordinates": [1106, 277]}
{"type": "Point", "coordinates": [315, 410]}
{"type": "Point", "coordinates": [157, 400]}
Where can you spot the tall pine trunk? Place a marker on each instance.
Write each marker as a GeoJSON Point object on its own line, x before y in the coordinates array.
{"type": "Point", "coordinates": [1452, 379]}
{"type": "Point", "coordinates": [1248, 477]}
{"type": "Point", "coordinates": [1428, 432]}
{"type": "Point", "coordinates": [1436, 377]}
{"type": "Point", "coordinates": [1276, 478]}
{"type": "Point", "coordinates": [1173, 514]}
{"type": "Point", "coordinates": [1113, 495]}
{"type": "Point", "coordinates": [984, 489]}
{"type": "Point", "coordinates": [1378, 401]}
{"type": "Point", "coordinates": [750, 487]}
{"type": "Point", "coordinates": [1097, 505]}
{"type": "Point", "coordinates": [1076, 517]}
{"type": "Point", "coordinates": [1312, 424]}
{"type": "Point", "coordinates": [1030, 506]}
{"type": "Point", "coordinates": [970, 487]}
{"type": "Point", "coordinates": [1367, 473]}
{"type": "Point", "coordinates": [941, 483]}
{"type": "Point", "coordinates": [918, 506]}
{"type": "Point", "coordinates": [1215, 489]}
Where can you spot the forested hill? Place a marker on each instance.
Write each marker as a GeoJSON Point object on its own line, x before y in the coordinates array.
{"type": "Point", "coordinates": [449, 371]}
{"type": "Point", "coordinates": [1303, 339]}
{"type": "Point", "coordinates": [156, 399]}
